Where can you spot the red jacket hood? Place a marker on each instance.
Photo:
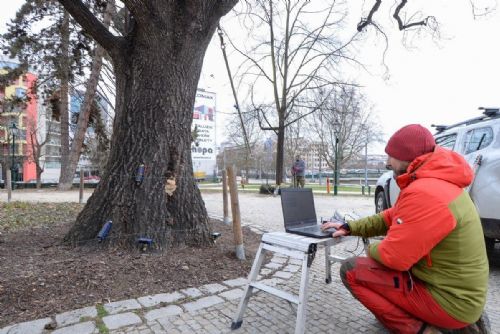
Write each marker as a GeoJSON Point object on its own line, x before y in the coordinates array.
{"type": "Point", "coordinates": [441, 164]}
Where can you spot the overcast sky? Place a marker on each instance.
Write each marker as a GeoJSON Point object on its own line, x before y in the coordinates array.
{"type": "Point", "coordinates": [429, 84]}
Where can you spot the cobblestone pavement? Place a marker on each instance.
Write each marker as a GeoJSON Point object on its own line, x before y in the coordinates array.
{"type": "Point", "coordinates": [210, 308]}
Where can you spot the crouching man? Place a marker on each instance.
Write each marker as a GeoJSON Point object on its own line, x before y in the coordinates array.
{"type": "Point", "coordinates": [430, 272]}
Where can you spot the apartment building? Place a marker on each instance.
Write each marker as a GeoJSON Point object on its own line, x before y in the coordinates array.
{"type": "Point", "coordinates": [17, 120]}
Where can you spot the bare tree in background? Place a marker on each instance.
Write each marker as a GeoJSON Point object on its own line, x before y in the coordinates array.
{"type": "Point", "coordinates": [75, 150]}
{"type": "Point", "coordinates": [252, 133]}
{"type": "Point", "coordinates": [35, 151]}
{"type": "Point", "coordinates": [344, 125]}
{"type": "Point", "coordinates": [96, 146]}
{"type": "Point", "coordinates": [292, 48]}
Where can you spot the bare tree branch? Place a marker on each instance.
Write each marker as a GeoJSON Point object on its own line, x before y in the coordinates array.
{"type": "Point", "coordinates": [481, 12]}
{"type": "Point", "coordinates": [403, 26]}
{"type": "Point", "coordinates": [93, 26]}
{"type": "Point", "coordinates": [369, 19]}
{"type": "Point", "coordinates": [238, 108]}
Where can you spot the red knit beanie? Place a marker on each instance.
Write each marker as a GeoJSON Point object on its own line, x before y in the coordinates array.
{"type": "Point", "coordinates": [410, 142]}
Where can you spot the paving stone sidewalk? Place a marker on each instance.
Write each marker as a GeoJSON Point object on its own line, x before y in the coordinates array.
{"type": "Point", "coordinates": [211, 308]}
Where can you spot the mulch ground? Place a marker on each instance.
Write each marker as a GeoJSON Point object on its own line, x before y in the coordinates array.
{"type": "Point", "coordinates": [41, 277]}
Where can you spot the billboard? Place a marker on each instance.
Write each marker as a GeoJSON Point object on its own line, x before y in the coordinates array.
{"type": "Point", "coordinates": [203, 148]}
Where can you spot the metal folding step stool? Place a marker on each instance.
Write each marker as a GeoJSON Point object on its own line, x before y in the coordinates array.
{"type": "Point", "coordinates": [296, 247]}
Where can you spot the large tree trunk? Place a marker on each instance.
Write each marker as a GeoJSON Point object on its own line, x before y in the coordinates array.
{"type": "Point", "coordinates": [64, 91]}
{"type": "Point", "coordinates": [156, 78]}
{"type": "Point", "coordinates": [68, 169]}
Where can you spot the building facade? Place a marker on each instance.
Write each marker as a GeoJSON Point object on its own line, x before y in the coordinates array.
{"type": "Point", "coordinates": [16, 146]}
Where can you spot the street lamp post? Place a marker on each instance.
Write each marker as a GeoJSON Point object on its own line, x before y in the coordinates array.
{"type": "Point", "coordinates": [319, 170]}
{"type": "Point", "coordinates": [13, 132]}
{"type": "Point", "coordinates": [336, 171]}
{"type": "Point", "coordinates": [366, 165]}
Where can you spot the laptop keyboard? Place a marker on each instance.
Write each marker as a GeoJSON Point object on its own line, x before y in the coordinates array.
{"type": "Point", "coordinates": [316, 228]}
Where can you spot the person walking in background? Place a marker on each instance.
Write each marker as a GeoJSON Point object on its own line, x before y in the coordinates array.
{"type": "Point", "coordinates": [298, 172]}
{"type": "Point", "coordinates": [430, 272]}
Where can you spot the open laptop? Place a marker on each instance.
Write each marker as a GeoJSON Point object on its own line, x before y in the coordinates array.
{"type": "Point", "coordinates": [299, 213]}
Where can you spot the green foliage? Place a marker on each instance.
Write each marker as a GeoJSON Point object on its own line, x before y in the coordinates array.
{"type": "Point", "coordinates": [33, 37]}
{"type": "Point", "coordinates": [11, 104]}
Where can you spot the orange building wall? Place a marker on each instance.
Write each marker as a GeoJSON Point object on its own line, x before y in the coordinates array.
{"type": "Point", "coordinates": [29, 167]}
{"type": "Point", "coordinates": [26, 122]}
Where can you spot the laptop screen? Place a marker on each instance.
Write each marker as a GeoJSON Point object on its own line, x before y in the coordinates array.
{"type": "Point", "coordinates": [298, 207]}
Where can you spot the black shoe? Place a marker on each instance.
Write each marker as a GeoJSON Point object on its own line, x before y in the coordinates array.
{"type": "Point", "coordinates": [484, 324]}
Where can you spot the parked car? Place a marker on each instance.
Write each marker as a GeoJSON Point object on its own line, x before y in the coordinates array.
{"type": "Point", "coordinates": [478, 140]}
{"type": "Point", "coordinates": [94, 179]}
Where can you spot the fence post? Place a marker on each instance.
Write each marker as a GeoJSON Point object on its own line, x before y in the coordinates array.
{"type": "Point", "coordinates": [9, 185]}
{"type": "Point", "coordinates": [235, 210]}
{"type": "Point", "coordinates": [225, 207]}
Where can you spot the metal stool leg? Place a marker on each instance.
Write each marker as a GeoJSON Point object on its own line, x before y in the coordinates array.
{"type": "Point", "coordinates": [252, 277]}
{"type": "Point", "coordinates": [328, 265]}
{"type": "Point", "coordinates": [302, 306]}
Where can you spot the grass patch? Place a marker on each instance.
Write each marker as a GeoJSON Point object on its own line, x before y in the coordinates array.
{"type": "Point", "coordinates": [354, 189]}
{"type": "Point", "coordinates": [18, 215]}
{"type": "Point", "coordinates": [101, 327]}
{"type": "Point", "coordinates": [101, 312]}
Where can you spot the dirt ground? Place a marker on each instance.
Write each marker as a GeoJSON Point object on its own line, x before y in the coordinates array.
{"type": "Point", "coordinates": [40, 277]}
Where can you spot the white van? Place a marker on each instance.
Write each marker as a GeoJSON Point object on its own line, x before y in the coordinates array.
{"type": "Point", "coordinates": [478, 140]}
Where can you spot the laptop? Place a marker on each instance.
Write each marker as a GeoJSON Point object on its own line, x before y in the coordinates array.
{"type": "Point", "coordinates": [299, 213]}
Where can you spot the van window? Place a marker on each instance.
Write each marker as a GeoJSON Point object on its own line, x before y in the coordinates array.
{"type": "Point", "coordinates": [477, 139]}
{"type": "Point", "coordinates": [447, 141]}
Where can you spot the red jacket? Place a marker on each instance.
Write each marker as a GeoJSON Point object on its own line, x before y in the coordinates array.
{"type": "Point", "coordinates": [434, 230]}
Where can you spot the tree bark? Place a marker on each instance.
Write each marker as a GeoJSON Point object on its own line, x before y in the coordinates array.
{"type": "Point", "coordinates": [68, 170]}
{"type": "Point", "coordinates": [64, 91]}
{"type": "Point", "coordinates": [157, 71]}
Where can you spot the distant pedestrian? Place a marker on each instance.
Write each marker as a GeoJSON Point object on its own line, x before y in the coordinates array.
{"type": "Point", "coordinates": [298, 172]}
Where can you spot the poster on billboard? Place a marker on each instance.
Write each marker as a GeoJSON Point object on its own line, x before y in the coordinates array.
{"type": "Point", "coordinates": [203, 148]}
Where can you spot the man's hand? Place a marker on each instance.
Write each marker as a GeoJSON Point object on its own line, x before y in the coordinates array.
{"type": "Point", "coordinates": [336, 225]}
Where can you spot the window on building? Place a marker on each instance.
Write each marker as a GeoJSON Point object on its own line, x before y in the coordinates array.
{"type": "Point", "coordinates": [20, 92]}
{"type": "Point", "coordinates": [52, 164]}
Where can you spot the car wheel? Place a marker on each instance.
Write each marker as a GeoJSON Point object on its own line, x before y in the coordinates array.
{"type": "Point", "coordinates": [380, 203]}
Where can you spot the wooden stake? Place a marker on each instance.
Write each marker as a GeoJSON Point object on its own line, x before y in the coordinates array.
{"type": "Point", "coordinates": [9, 185]}
{"type": "Point", "coordinates": [225, 203]}
{"type": "Point", "coordinates": [235, 210]}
